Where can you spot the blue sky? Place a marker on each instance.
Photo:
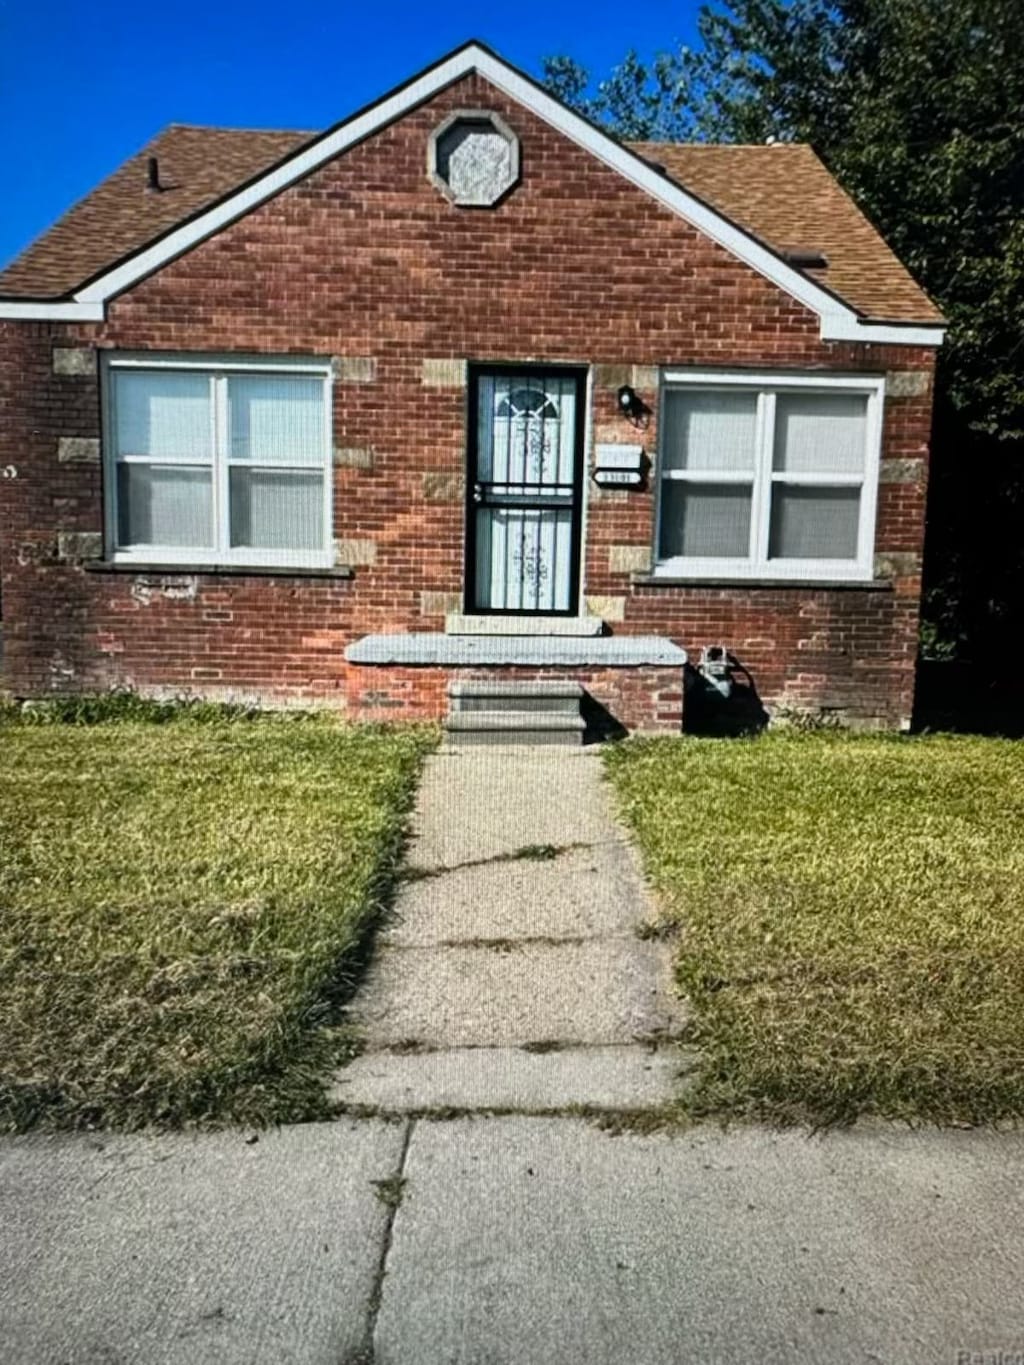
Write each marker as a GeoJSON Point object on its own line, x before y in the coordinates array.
{"type": "Point", "coordinates": [83, 85]}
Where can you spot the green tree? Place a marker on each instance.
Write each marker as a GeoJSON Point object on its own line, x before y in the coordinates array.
{"type": "Point", "coordinates": [917, 106]}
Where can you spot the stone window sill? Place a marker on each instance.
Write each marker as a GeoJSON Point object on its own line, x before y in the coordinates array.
{"type": "Point", "coordinates": [651, 580]}
{"type": "Point", "coordinates": [217, 570]}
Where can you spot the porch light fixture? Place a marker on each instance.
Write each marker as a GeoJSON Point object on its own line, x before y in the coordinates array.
{"type": "Point", "coordinates": [631, 405]}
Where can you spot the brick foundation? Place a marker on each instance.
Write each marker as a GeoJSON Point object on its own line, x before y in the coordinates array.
{"type": "Point", "coordinates": [646, 698]}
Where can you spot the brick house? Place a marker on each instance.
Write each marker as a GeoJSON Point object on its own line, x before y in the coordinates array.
{"type": "Point", "coordinates": [463, 389]}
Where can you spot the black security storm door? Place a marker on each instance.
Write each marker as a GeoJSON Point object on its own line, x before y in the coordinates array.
{"type": "Point", "coordinates": [524, 490]}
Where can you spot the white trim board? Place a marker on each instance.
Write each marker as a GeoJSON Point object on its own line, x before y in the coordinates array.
{"type": "Point", "coordinates": [24, 310]}
{"type": "Point", "coordinates": [839, 322]}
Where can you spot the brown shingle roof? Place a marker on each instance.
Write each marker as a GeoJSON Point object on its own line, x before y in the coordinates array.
{"type": "Point", "coordinates": [781, 194]}
{"type": "Point", "coordinates": [787, 197]}
{"type": "Point", "coordinates": [121, 215]}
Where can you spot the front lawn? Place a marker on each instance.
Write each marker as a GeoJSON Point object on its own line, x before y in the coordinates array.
{"type": "Point", "coordinates": [850, 912]}
{"type": "Point", "coordinates": [181, 907]}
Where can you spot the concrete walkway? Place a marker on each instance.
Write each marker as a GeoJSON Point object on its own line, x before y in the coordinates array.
{"type": "Point", "coordinates": [512, 982]}
{"type": "Point", "coordinates": [515, 1241]}
{"type": "Point", "coordinates": [511, 977]}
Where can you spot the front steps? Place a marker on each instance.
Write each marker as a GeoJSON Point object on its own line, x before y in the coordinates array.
{"type": "Point", "coordinates": [514, 713]}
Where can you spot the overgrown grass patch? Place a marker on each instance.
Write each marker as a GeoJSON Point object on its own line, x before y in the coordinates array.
{"type": "Point", "coordinates": [851, 919]}
{"type": "Point", "coordinates": [182, 906]}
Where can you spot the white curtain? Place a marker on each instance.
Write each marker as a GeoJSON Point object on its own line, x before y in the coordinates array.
{"type": "Point", "coordinates": [163, 426]}
{"type": "Point", "coordinates": [276, 510]}
{"type": "Point", "coordinates": [276, 419]}
{"type": "Point", "coordinates": [820, 433]}
{"type": "Point", "coordinates": [163, 415]}
{"type": "Point", "coordinates": [705, 520]}
{"type": "Point", "coordinates": [164, 505]}
{"type": "Point", "coordinates": [275, 425]}
{"type": "Point", "coordinates": [710, 431]}
{"type": "Point", "coordinates": [814, 523]}
{"type": "Point", "coordinates": [524, 558]}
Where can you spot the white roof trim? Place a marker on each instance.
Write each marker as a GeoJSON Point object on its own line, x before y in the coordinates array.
{"type": "Point", "coordinates": [51, 312]}
{"type": "Point", "coordinates": [839, 322]}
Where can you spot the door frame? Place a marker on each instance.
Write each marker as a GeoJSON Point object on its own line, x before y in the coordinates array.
{"type": "Point", "coordinates": [580, 374]}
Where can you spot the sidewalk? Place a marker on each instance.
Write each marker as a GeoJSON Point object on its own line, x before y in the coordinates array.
{"type": "Point", "coordinates": [517, 1241]}
{"type": "Point", "coordinates": [511, 977]}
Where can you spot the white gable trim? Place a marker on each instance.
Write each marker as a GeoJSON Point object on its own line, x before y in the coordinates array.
{"type": "Point", "coordinates": [29, 311]}
{"type": "Point", "coordinates": [839, 322]}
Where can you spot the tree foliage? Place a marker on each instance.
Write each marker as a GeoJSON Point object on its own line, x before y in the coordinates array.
{"type": "Point", "coordinates": [917, 106]}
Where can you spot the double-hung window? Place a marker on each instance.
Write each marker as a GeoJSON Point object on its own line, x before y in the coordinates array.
{"type": "Point", "coordinates": [767, 476]}
{"type": "Point", "coordinates": [218, 463]}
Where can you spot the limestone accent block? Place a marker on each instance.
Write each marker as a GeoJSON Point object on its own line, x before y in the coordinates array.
{"type": "Point", "coordinates": [354, 369]}
{"type": "Point", "coordinates": [355, 553]}
{"type": "Point", "coordinates": [75, 546]}
{"type": "Point", "coordinates": [637, 376]}
{"type": "Point", "coordinates": [78, 450]}
{"type": "Point", "coordinates": [901, 471]}
{"type": "Point", "coordinates": [353, 457]}
{"type": "Point", "coordinates": [612, 376]}
{"type": "Point", "coordinates": [907, 383]}
{"type": "Point", "coordinates": [74, 360]}
{"type": "Point", "coordinates": [629, 558]}
{"type": "Point", "coordinates": [898, 564]}
{"type": "Point", "coordinates": [442, 485]}
{"type": "Point", "coordinates": [645, 377]}
{"type": "Point", "coordinates": [446, 373]}
{"type": "Point", "coordinates": [608, 608]}
{"type": "Point", "coordinates": [607, 433]}
{"type": "Point", "coordinates": [440, 603]}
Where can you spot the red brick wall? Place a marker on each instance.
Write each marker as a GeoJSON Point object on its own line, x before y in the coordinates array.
{"type": "Point", "coordinates": [366, 258]}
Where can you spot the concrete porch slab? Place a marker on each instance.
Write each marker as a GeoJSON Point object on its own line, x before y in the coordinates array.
{"type": "Point", "coordinates": [527, 651]}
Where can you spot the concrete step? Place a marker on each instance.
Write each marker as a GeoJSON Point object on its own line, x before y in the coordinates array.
{"type": "Point", "coordinates": [557, 698]}
{"type": "Point", "coordinates": [514, 727]}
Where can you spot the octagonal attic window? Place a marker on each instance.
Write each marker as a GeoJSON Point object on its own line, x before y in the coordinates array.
{"type": "Point", "coordinates": [474, 158]}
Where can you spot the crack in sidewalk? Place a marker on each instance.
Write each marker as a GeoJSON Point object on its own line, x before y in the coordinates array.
{"type": "Point", "coordinates": [528, 853]}
{"type": "Point", "coordinates": [367, 1354]}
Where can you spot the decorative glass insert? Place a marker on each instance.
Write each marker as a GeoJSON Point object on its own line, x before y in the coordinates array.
{"type": "Point", "coordinates": [474, 158]}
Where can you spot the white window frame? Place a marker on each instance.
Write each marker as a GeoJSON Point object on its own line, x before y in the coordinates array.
{"type": "Point", "coordinates": [757, 565]}
{"type": "Point", "coordinates": [218, 368]}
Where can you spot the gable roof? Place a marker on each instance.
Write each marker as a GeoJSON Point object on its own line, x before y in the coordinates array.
{"type": "Point", "coordinates": [785, 195]}
{"type": "Point", "coordinates": [124, 230]}
{"type": "Point", "coordinates": [197, 166]}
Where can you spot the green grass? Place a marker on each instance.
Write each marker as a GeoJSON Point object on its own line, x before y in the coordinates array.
{"type": "Point", "coordinates": [183, 906]}
{"type": "Point", "coordinates": [850, 915]}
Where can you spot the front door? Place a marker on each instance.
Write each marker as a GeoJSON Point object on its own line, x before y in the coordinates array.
{"type": "Point", "coordinates": [525, 487]}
